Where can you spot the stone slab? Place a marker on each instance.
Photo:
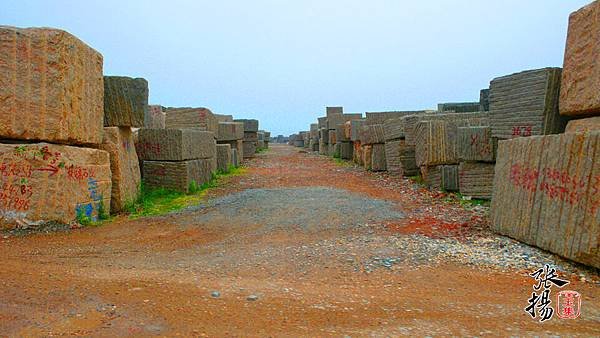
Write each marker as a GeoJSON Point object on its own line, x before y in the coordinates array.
{"type": "Point", "coordinates": [550, 201]}
{"type": "Point", "coordinates": [585, 125]}
{"type": "Point", "coordinates": [191, 118]}
{"type": "Point", "coordinates": [476, 144]}
{"type": "Point", "coordinates": [476, 179]}
{"type": "Point", "coordinates": [223, 157]}
{"type": "Point", "coordinates": [155, 117]}
{"type": "Point", "coordinates": [250, 125]}
{"type": "Point", "coordinates": [124, 165]}
{"type": "Point", "coordinates": [174, 144]}
{"type": "Point", "coordinates": [400, 158]}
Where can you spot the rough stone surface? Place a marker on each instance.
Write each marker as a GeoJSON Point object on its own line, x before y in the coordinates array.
{"type": "Point", "coordinates": [436, 138]}
{"type": "Point", "coordinates": [355, 129]}
{"type": "Point", "coordinates": [235, 158]}
{"type": "Point", "coordinates": [357, 157]}
{"type": "Point", "coordinates": [393, 129]}
{"type": "Point", "coordinates": [383, 117]}
{"type": "Point", "coordinates": [583, 125]}
{"type": "Point", "coordinates": [484, 100]}
{"type": "Point", "coordinates": [250, 125]}
{"type": "Point", "coordinates": [50, 87]}
{"type": "Point", "coordinates": [436, 143]}
{"type": "Point", "coordinates": [191, 118]}
{"type": "Point", "coordinates": [237, 145]}
{"type": "Point", "coordinates": [346, 150]}
{"type": "Point", "coordinates": [400, 158]}
{"type": "Point", "coordinates": [251, 136]}
{"type": "Point", "coordinates": [371, 134]}
{"type": "Point", "coordinates": [526, 104]}
{"type": "Point", "coordinates": [124, 165]}
{"type": "Point", "coordinates": [334, 111]}
{"type": "Point", "coordinates": [476, 179]}
{"type": "Point", "coordinates": [332, 137]}
{"type": "Point", "coordinates": [459, 107]}
{"type": "Point", "coordinates": [367, 156]}
{"type": "Point", "coordinates": [322, 147]}
{"type": "Point", "coordinates": [378, 161]}
{"type": "Point", "coordinates": [341, 133]}
{"type": "Point", "coordinates": [323, 123]}
{"type": "Point", "coordinates": [550, 201]}
{"type": "Point", "coordinates": [250, 148]}
{"type": "Point", "coordinates": [468, 119]}
{"type": "Point", "coordinates": [174, 144]}
{"type": "Point", "coordinates": [230, 131]}
{"type": "Point", "coordinates": [48, 182]}
{"type": "Point", "coordinates": [223, 157]}
{"type": "Point", "coordinates": [155, 117]}
{"type": "Point", "coordinates": [336, 120]}
{"type": "Point", "coordinates": [580, 86]}
{"type": "Point", "coordinates": [178, 175]}
{"type": "Point", "coordinates": [441, 177]}
{"type": "Point", "coordinates": [224, 118]}
{"type": "Point", "coordinates": [476, 144]}
{"type": "Point", "coordinates": [125, 101]}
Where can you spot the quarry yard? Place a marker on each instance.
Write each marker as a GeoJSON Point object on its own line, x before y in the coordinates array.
{"type": "Point", "coordinates": [297, 245]}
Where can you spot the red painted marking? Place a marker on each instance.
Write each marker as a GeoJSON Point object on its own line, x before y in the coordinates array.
{"type": "Point", "coordinates": [50, 168]}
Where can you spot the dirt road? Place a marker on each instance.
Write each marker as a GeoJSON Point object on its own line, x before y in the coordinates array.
{"type": "Point", "coordinates": [298, 246]}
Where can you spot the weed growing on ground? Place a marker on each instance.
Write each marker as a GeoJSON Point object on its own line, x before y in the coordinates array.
{"type": "Point", "coordinates": [261, 150]}
{"type": "Point", "coordinates": [417, 179]}
{"type": "Point", "coordinates": [159, 201]}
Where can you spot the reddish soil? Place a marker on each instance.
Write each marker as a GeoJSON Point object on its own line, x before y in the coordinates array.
{"type": "Point", "coordinates": [154, 276]}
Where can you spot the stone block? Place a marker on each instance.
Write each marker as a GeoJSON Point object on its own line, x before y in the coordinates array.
{"type": "Point", "coordinates": [174, 144]}
{"type": "Point", "coordinates": [125, 101]}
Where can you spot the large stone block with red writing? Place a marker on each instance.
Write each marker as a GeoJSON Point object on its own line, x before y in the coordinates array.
{"type": "Point", "coordinates": [47, 182]}
{"type": "Point", "coordinates": [191, 118]}
{"type": "Point", "coordinates": [476, 144]}
{"type": "Point", "coordinates": [125, 101]}
{"type": "Point", "coordinates": [175, 144]}
{"type": "Point", "coordinates": [436, 140]}
{"type": "Point", "coordinates": [155, 117]}
{"type": "Point", "coordinates": [178, 175]}
{"type": "Point", "coordinates": [51, 87]}
{"type": "Point", "coordinates": [124, 164]}
{"type": "Point", "coordinates": [585, 125]}
{"type": "Point", "coordinates": [476, 179]}
{"type": "Point", "coordinates": [580, 86]}
{"type": "Point", "coordinates": [526, 104]}
{"type": "Point", "coordinates": [547, 194]}
{"type": "Point", "coordinates": [400, 158]}
{"type": "Point", "coordinates": [230, 131]}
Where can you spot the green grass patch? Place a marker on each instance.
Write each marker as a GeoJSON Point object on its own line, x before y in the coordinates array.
{"type": "Point", "coordinates": [160, 201]}
{"type": "Point", "coordinates": [261, 150]}
{"type": "Point", "coordinates": [417, 179]}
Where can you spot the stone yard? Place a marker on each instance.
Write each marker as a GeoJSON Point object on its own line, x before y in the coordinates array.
{"type": "Point", "coordinates": [298, 245]}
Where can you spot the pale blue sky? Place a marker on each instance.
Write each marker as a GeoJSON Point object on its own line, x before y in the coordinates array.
{"type": "Point", "coordinates": [284, 61]}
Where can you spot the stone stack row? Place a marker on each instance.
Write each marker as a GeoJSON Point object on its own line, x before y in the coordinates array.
{"type": "Point", "coordinates": [250, 140]}
{"type": "Point", "coordinates": [547, 187]}
{"type": "Point", "coordinates": [67, 149]}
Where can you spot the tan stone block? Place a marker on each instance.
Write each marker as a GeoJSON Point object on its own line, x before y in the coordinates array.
{"type": "Point", "coordinates": [48, 182]}
{"type": "Point", "coordinates": [124, 164]}
{"type": "Point", "coordinates": [51, 87]}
